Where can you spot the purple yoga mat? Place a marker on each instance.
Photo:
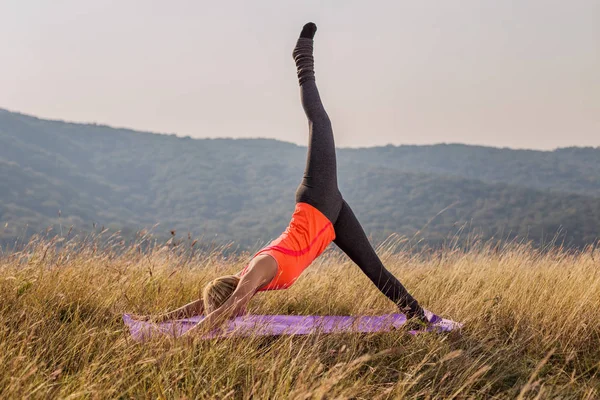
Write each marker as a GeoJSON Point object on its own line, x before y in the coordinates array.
{"type": "Point", "coordinates": [274, 325]}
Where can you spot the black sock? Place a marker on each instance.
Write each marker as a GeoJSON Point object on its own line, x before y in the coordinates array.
{"type": "Point", "coordinates": [308, 31]}
{"type": "Point", "coordinates": [303, 54]}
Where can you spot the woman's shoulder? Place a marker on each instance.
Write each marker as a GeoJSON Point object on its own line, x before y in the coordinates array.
{"type": "Point", "coordinates": [262, 269]}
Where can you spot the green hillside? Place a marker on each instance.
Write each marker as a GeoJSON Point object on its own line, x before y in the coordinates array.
{"type": "Point", "coordinates": [243, 190]}
{"type": "Point", "coordinates": [572, 170]}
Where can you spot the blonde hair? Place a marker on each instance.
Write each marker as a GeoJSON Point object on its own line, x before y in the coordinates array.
{"type": "Point", "coordinates": [217, 291]}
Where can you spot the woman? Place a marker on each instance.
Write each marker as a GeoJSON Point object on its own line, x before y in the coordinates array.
{"type": "Point", "coordinates": [320, 217]}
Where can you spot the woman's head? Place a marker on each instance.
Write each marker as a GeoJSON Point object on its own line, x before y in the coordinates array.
{"type": "Point", "coordinates": [217, 292]}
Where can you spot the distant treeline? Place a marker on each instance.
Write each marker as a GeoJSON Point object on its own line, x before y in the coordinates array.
{"type": "Point", "coordinates": [221, 190]}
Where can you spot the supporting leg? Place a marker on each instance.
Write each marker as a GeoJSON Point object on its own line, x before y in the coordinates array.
{"type": "Point", "coordinates": [352, 240]}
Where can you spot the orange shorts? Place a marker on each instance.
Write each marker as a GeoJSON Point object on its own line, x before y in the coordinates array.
{"type": "Point", "coordinates": [305, 238]}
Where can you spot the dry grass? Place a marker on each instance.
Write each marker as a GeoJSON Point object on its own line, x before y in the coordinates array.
{"type": "Point", "coordinates": [532, 327]}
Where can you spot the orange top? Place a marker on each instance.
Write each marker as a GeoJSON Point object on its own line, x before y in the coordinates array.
{"type": "Point", "coordinates": [305, 238]}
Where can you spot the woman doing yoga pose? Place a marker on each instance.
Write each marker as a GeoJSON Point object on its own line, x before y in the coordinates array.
{"type": "Point", "coordinates": [320, 217]}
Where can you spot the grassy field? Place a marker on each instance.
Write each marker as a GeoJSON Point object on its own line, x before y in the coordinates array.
{"type": "Point", "coordinates": [532, 327]}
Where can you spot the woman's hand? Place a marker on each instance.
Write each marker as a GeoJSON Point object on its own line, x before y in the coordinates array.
{"type": "Point", "coordinates": [155, 319]}
{"type": "Point", "coordinates": [189, 310]}
{"type": "Point", "coordinates": [144, 318]}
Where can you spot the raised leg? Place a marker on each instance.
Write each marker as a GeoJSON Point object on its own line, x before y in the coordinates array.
{"type": "Point", "coordinates": [319, 184]}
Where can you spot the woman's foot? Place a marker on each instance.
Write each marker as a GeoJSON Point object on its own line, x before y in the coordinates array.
{"type": "Point", "coordinates": [303, 54]}
{"type": "Point", "coordinates": [308, 31]}
{"type": "Point", "coordinates": [414, 310]}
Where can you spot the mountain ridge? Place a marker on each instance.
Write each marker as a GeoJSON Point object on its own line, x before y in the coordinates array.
{"type": "Point", "coordinates": [243, 189]}
{"type": "Point", "coordinates": [187, 137]}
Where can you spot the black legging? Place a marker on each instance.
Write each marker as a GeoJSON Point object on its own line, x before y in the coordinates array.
{"type": "Point", "coordinates": [319, 188]}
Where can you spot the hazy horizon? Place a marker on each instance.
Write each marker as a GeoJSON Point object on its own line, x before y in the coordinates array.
{"type": "Point", "coordinates": [518, 75]}
{"type": "Point", "coordinates": [151, 132]}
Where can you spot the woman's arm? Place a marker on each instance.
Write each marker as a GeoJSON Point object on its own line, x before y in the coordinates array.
{"type": "Point", "coordinates": [192, 309]}
{"type": "Point", "coordinates": [261, 271]}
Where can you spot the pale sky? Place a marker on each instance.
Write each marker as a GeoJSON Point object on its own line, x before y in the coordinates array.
{"type": "Point", "coordinates": [522, 74]}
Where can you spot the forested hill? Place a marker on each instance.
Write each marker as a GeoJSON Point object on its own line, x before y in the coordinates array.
{"type": "Point", "coordinates": [243, 190]}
